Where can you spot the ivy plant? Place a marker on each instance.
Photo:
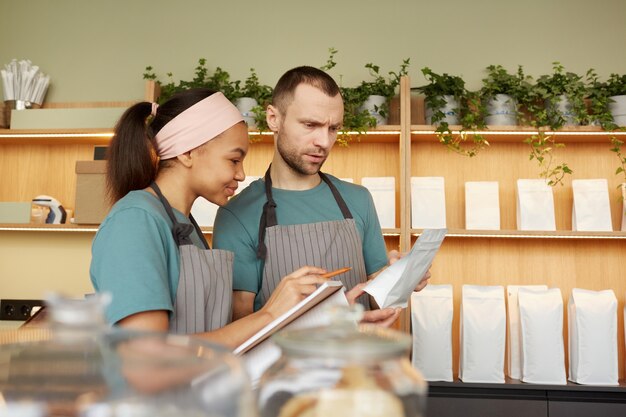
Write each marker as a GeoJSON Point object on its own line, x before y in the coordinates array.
{"type": "Point", "coordinates": [440, 85]}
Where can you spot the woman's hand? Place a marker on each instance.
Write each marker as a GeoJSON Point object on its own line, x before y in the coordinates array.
{"type": "Point", "coordinates": [292, 289]}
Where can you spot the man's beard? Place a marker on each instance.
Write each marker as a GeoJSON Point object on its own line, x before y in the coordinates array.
{"type": "Point", "coordinates": [295, 161]}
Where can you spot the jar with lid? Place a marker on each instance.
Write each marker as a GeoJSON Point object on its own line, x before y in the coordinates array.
{"type": "Point", "coordinates": [344, 369]}
{"type": "Point", "coordinates": [73, 364]}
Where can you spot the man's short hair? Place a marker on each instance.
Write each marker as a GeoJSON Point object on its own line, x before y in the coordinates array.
{"type": "Point", "coordinates": [285, 88]}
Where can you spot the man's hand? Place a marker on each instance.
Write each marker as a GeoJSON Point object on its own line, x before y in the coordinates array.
{"type": "Point", "coordinates": [382, 317]}
{"type": "Point", "coordinates": [394, 255]}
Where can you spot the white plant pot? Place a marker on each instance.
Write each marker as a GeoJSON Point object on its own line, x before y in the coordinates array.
{"type": "Point", "coordinates": [564, 108]}
{"type": "Point", "coordinates": [501, 111]}
{"type": "Point", "coordinates": [618, 109]}
{"type": "Point", "coordinates": [373, 104]}
{"type": "Point", "coordinates": [450, 110]}
{"type": "Point", "coordinates": [245, 106]}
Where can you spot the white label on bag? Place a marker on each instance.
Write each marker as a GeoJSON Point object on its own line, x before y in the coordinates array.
{"type": "Point", "coordinates": [483, 334]}
{"type": "Point", "coordinates": [383, 191]}
{"type": "Point", "coordinates": [541, 321]}
{"type": "Point", "coordinates": [514, 347]}
{"type": "Point", "coordinates": [428, 203]}
{"type": "Point", "coordinates": [535, 205]}
{"type": "Point", "coordinates": [482, 205]}
{"type": "Point", "coordinates": [591, 210]}
{"type": "Point", "coordinates": [592, 324]}
{"type": "Point", "coordinates": [431, 316]}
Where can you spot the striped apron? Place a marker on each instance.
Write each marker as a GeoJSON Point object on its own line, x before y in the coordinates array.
{"type": "Point", "coordinates": [204, 293]}
{"type": "Point", "coordinates": [330, 245]}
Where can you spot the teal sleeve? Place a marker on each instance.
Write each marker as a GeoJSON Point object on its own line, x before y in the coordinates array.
{"type": "Point", "coordinates": [131, 260]}
{"type": "Point", "coordinates": [230, 234]}
{"type": "Point", "coordinates": [374, 248]}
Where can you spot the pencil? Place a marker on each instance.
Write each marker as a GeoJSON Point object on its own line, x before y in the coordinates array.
{"type": "Point", "coordinates": [336, 272]}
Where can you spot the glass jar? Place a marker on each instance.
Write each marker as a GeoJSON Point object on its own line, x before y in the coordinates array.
{"type": "Point", "coordinates": [343, 369]}
{"type": "Point", "coordinates": [75, 365]}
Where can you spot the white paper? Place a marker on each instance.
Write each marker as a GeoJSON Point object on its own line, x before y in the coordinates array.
{"type": "Point", "coordinates": [260, 358]}
{"type": "Point", "coordinates": [432, 310]}
{"type": "Point", "coordinates": [591, 211]}
{"type": "Point", "coordinates": [592, 332]}
{"type": "Point", "coordinates": [535, 205]}
{"type": "Point", "coordinates": [514, 347]}
{"type": "Point", "coordinates": [482, 334]}
{"type": "Point", "coordinates": [541, 322]}
{"type": "Point", "coordinates": [395, 284]}
{"type": "Point", "coordinates": [383, 191]}
{"type": "Point", "coordinates": [482, 205]}
{"type": "Point", "coordinates": [428, 203]}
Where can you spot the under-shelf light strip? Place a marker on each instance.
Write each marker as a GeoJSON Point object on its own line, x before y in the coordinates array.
{"type": "Point", "coordinates": [57, 135]}
{"type": "Point", "coordinates": [48, 229]}
{"type": "Point", "coordinates": [526, 133]}
{"type": "Point", "coordinates": [528, 236]}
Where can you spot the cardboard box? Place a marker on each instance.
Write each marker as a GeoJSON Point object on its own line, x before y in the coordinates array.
{"type": "Point", "coordinates": [92, 204]}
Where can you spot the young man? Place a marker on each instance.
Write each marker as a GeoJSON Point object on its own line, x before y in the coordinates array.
{"type": "Point", "coordinates": [296, 215]}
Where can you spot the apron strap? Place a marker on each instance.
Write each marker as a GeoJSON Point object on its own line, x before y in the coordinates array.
{"type": "Point", "coordinates": [338, 198]}
{"type": "Point", "coordinates": [268, 216]}
{"type": "Point", "coordinates": [180, 231]}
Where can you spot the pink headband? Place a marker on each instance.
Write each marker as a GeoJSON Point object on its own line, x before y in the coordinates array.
{"type": "Point", "coordinates": [197, 125]}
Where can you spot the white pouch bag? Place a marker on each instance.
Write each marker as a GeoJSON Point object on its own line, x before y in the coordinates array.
{"type": "Point", "coordinates": [535, 205]}
{"type": "Point", "coordinates": [243, 184]}
{"type": "Point", "coordinates": [431, 316]}
{"type": "Point", "coordinates": [203, 211]}
{"type": "Point", "coordinates": [383, 190]}
{"type": "Point", "coordinates": [592, 325]}
{"type": "Point", "coordinates": [483, 334]}
{"type": "Point", "coordinates": [482, 205]}
{"type": "Point", "coordinates": [541, 321]}
{"type": "Point", "coordinates": [591, 211]}
{"type": "Point", "coordinates": [514, 347]}
{"type": "Point", "coordinates": [428, 203]}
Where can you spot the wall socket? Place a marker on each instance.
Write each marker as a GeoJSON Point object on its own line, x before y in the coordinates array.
{"type": "Point", "coordinates": [18, 309]}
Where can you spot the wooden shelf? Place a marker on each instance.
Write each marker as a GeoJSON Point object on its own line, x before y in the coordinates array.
{"type": "Point", "coordinates": [56, 137]}
{"type": "Point", "coordinates": [590, 134]}
{"type": "Point", "coordinates": [525, 234]}
{"type": "Point", "coordinates": [65, 228]}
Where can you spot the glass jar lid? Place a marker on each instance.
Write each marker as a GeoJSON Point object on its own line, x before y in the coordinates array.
{"type": "Point", "coordinates": [344, 339]}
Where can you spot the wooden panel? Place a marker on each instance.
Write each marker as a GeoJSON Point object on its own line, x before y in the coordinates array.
{"type": "Point", "coordinates": [30, 170]}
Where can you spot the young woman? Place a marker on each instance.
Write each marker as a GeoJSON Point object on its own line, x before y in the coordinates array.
{"type": "Point", "coordinates": [149, 253]}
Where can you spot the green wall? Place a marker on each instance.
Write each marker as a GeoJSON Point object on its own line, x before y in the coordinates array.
{"type": "Point", "coordinates": [97, 50]}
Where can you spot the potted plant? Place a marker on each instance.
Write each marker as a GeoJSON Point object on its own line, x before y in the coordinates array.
{"type": "Point", "coordinates": [501, 94]}
{"type": "Point", "coordinates": [218, 81]}
{"type": "Point", "coordinates": [252, 99]}
{"type": "Point", "coordinates": [448, 102]}
{"type": "Point", "coordinates": [563, 96]}
{"type": "Point", "coordinates": [377, 94]}
{"type": "Point", "coordinates": [554, 101]}
{"type": "Point", "coordinates": [616, 91]}
{"type": "Point", "coordinates": [355, 118]}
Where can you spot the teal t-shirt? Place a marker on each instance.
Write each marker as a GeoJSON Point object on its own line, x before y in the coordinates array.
{"type": "Point", "coordinates": [135, 257]}
{"type": "Point", "coordinates": [236, 225]}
